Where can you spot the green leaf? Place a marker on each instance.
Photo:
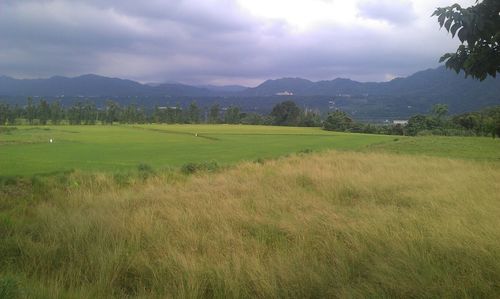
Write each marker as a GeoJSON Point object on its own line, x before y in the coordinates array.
{"type": "Point", "coordinates": [441, 19]}
{"type": "Point", "coordinates": [454, 28]}
{"type": "Point", "coordinates": [462, 34]}
{"type": "Point", "coordinates": [447, 25]}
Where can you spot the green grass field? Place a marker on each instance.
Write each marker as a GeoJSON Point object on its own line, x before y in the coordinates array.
{"type": "Point", "coordinates": [335, 224]}
{"type": "Point", "coordinates": [27, 151]}
{"type": "Point", "coordinates": [363, 216]}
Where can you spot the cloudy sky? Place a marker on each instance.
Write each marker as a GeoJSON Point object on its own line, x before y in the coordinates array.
{"type": "Point", "coordinates": [221, 41]}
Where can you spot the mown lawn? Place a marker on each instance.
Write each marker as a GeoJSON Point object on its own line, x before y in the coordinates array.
{"type": "Point", "coordinates": [27, 151]}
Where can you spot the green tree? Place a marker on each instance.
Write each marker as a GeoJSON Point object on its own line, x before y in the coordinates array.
{"type": "Point", "coordinates": [4, 113]}
{"type": "Point", "coordinates": [416, 124]}
{"type": "Point", "coordinates": [159, 115]}
{"type": "Point", "coordinates": [310, 118]}
{"type": "Point", "coordinates": [478, 28]}
{"type": "Point", "coordinates": [232, 115]}
{"type": "Point", "coordinates": [75, 114]}
{"type": "Point", "coordinates": [337, 121]}
{"type": "Point", "coordinates": [170, 115]}
{"type": "Point", "coordinates": [214, 114]}
{"type": "Point", "coordinates": [492, 121]}
{"type": "Point", "coordinates": [56, 113]}
{"type": "Point", "coordinates": [14, 113]}
{"type": "Point", "coordinates": [255, 119]}
{"type": "Point", "coordinates": [89, 113]}
{"type": "Point", "coordinates": [30, 111]}
{"type": "Point", "coordinates": [468, 121]}
{"type": "Point", "coordinates": [179, 115]}
{"type": "Point", "coordinates": [440, 110]}
{"type": "Point", "coordinates": [131, 114]}
{"type": "Point", "coordinates": [112, 112]}
{"type": "Point", "coordinates": [43, 112]}
{"type": "Point", "coordinates": [193, 113]}
{"type": "Point", "coordinates": [286, 114]}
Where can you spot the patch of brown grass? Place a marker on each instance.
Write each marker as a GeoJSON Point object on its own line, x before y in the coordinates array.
{"type": "Point", "coordinates": [335, 224]}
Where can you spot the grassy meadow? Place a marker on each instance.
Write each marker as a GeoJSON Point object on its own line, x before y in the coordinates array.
{"type": "Point", "coordinates": [361, 216]}
{"type": "Point", "coordinates": [27, 151]}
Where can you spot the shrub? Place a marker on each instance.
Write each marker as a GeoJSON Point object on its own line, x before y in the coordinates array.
{"type": "Point", "coordinates": [121, 179]}
{"type": "Point", "coordinates": [190, 168]}
{"type": "Point", "coordinates": [260, 160]}
{"type": "Point", "coordinates": [305, 151]}
{"type": "Point", "coordinates": [9, 287]}
{"type": "Point", "coordinates": [145, 170]}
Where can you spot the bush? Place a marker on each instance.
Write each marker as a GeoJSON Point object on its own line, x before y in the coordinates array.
{"type": "Point", "coordinates": [145, 170]}
{"type": "Point", "coordinates": [9, 287]}
{"type": "Point", "coordinates": [122, 179]}
{"type": "Point", "coordinates": [190, 168]}
{"type": "Point", "coordinates": [260, 160]}
{"type": "Point", "coordinates": [8, 180]}
{"type": "Point", "coordinates": [305, 151]}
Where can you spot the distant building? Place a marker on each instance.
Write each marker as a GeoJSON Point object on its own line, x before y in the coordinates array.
{"type": "Point", "coordinates": [400, 122]}
{"type": "Point", "coordinates": [171, 107]}
{"type": "Point", "coordinates": [284, 93]}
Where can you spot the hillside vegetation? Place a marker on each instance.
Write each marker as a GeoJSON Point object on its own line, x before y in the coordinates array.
{"type": "Point", "coordinates": [331, 224]}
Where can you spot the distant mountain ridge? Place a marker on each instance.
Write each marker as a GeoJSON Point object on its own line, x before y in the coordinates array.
{"type": "Point", "coordinates": [400, 96]}
{"type": "Point", "coordinates": [438, 81]}
{"type": "Point", "coordinates": [92, 86]}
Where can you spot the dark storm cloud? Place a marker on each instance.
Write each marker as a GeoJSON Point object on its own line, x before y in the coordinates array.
{"type": "Point", "coordinates": [211, 41]}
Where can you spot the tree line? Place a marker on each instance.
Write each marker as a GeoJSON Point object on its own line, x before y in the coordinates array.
{"type": "Point", "coordinates": [485, 122]}
{"type": "Point", "coordinates": [87, 113]}
{"type": "Point", "coordinates": [480, 123]}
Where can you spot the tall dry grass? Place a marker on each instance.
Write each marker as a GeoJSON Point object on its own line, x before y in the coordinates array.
{"type": "Point", "coordinates": [334, 224]}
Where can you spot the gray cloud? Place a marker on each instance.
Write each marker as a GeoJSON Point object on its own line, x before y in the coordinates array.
{"type": "Point", "coordinates": [211, 41]}
{"type": "Point", "coordinates": [396, 12]}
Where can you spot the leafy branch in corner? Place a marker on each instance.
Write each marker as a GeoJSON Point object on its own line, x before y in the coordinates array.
{"type": "Point", "coordinates": [478, 29]}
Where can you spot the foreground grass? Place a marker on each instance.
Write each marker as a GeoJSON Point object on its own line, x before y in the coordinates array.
{"type": "Point", "coordinates": [334, 224]}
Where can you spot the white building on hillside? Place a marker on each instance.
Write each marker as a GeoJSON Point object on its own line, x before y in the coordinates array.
{"type": "Point", "coordinates": [400, 122]}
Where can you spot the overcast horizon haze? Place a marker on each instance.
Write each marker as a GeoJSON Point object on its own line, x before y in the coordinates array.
{"type": "Point", "coordinates": [222, 42]}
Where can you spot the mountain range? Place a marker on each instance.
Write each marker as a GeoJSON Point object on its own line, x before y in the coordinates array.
{"type": "Point", "coordinates": [438, 81]}
{"type": "Point", "coordinates": [418, 91]}
{"type": "Point", "coordinates": [92, 86]}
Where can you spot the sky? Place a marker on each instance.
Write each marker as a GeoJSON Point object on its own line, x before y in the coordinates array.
{"type": "Point", "coordinates": [222, 42]}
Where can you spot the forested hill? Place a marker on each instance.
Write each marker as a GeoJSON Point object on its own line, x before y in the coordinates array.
{"type": "Point", "coordinates": [439, 82]}
{"type": "Point", "coordinates": [399, 97]}
{"type": "Point", "coordinates": [92, 86]}
{"type": "Point", "coordinates": [432, 82]}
